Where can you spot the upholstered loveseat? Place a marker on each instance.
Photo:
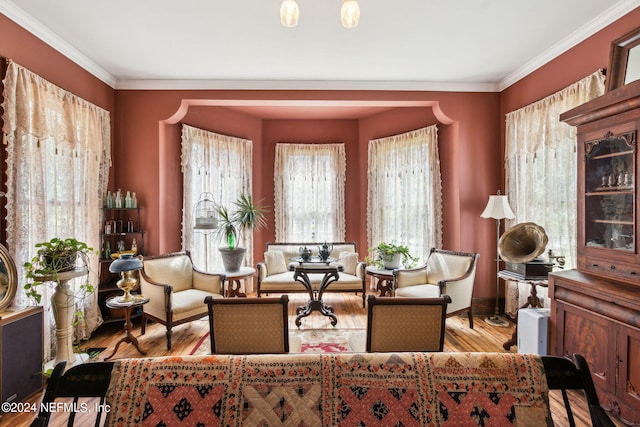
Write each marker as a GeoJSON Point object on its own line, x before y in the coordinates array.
{"type": "Point", "coordinates": [275, 273]}
{"type": "Point", "coordinates": [331, 389]}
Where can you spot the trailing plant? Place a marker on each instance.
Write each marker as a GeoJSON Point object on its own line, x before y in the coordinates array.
{"type": "Point", "coordinates": [248, 216]}
{"type": "Point", "coordinates": [52, 258]}
{"type": "Point", "coordinates": [386, 251]}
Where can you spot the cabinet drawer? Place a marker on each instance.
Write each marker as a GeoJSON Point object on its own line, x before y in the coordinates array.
{"type": "Point", "coordinates": [616, 270]}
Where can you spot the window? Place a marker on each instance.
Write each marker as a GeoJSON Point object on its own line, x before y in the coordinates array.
{"type": "Point", "coordinates": [541, 166]}
{"type": "Point", "coordinates": [221, 166]}
{"type": "Point", "coordinates": [58, 149]}
{"type": "Point", "coordinates": [309, 192]}
{"type": "Point", "coordinates": [404, 203]}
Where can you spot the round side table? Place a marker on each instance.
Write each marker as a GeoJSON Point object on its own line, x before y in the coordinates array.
{"type": "Point", "coordinates": [384, 277]}
{"type": "Point", "coordinates": [233, 279]}
{"type": "Point", "coordinates": [114, 302]}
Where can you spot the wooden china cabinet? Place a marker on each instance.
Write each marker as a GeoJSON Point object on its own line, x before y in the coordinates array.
{"type": "Point", "coordinates": [595, 309]}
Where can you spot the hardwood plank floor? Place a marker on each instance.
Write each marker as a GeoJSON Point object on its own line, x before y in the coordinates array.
{"type": "Point", "coordinates": [350, 314]}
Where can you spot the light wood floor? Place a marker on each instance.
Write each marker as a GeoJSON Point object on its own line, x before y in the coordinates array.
{"type": "Point", "coordinates": [350, 314]}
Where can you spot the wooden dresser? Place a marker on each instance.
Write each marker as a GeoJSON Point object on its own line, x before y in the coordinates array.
{"type": "Point", "coordinates": [595, 309]}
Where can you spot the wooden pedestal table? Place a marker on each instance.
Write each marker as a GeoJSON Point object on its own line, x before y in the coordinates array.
{"type": "Point", "coordinates": [384, 278]}
{"type": "Point", "coordinates": [330, 274]}
{"type": "Point", "coordinates": [532, 300]}
{"type": "Point", "coordinates": [128, 306]}
{"type": "Point", "coordinates": [233, 278]}
{"type": "Point", "coordinates": [63, 303]}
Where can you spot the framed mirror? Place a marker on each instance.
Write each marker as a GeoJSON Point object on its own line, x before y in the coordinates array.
{"type": "Point", "coordinates": [8, 278]}
{"type": "Point", "coordinates": [624, 60]}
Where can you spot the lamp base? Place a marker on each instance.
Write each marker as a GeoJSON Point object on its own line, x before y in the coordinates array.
{"type": "Point", "coordinates": [497, 321]}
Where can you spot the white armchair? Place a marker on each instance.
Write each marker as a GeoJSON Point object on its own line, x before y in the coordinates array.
{"type": "Point", "coordinates": [445, 273]}
{"type": "Point", "coordinates": [176, 290]}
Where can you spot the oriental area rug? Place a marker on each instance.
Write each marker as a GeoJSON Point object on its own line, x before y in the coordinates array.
{"type": "Point", "coordinates": [309, 341]}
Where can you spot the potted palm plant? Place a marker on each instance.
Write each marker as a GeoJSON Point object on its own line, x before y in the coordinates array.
{"type": "Point", "coordinates": [390, 256]}
{"type": "Point", "coordinates": [247, 217]}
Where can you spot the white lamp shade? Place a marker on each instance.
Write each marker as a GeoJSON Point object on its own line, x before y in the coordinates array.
{"type": "Point", "coordinates": [498, 208]}
{"type": "Point", "coordinates": [289, 13]}
{"type": "Point", "coordinates": [350, 13]}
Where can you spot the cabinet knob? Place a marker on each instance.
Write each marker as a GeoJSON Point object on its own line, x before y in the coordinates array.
{"type": "Point", "coordinates": [594, 265]}
{"type": "Point", "coordinates": [612, 267]}
{"type": "Point", "coordinates": [633, 272]}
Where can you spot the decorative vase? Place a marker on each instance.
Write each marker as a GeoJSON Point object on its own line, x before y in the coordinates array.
{"type": "Point", "coordinates": [392, 261]}
{"type": "Point", "coordinates": [232, 258]}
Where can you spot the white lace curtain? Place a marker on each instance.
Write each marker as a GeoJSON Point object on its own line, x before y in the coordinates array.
{"type": "Point", "coordinates": [58, 158]}
{"type": "Point", "coordinates": [541, 168]}
{"type": "Point", "coordinates": [404, 203]}
{"type": "Point", "coordinates": [309, 192]}
{"type": "Point", "coordinates": [222, 166]}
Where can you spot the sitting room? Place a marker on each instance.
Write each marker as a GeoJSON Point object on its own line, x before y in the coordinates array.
{"type": "Point", "coordinates": [315, 183]}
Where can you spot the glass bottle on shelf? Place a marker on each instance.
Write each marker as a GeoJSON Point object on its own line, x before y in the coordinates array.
{"type": "Point", "coordinates": [127, 200]}
{"type": "Point", "coordinates": [134, 247]}
{"type": "Point", "coordinates": [107, 250]}
{"type": "Point", "coordinates": [130, 226]}
{"type": "Point", "coordinates": [134, 200]}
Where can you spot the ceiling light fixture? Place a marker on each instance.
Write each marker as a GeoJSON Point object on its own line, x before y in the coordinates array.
{"type": "Point", "coordinates": [349, 14]}
{"type": "Point", "coordinates": [289, 13]}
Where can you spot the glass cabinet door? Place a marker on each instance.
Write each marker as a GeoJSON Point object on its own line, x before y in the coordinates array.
{"type": "Point", "coordinates": [610, 192]}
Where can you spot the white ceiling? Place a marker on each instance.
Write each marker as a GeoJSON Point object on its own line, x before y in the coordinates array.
{"type": "Point", "coordinates": [465, 45]}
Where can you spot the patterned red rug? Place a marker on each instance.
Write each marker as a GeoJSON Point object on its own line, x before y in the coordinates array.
{"type": "Point", "coordinates": [308, 341]}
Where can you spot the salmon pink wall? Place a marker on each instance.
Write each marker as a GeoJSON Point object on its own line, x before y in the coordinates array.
{"type": "Point", "coordinates": [148, 156]}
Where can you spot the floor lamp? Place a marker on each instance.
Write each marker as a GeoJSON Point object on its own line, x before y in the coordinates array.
{"type": "Point", "coordinates": [497, 208]}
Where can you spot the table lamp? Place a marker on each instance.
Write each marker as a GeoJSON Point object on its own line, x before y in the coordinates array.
{"type": "Point", "coordinates": [127, 266]}
{"type": "Point", "coordinates": [497, 208]}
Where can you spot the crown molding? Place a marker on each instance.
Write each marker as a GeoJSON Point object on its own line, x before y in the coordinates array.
{"type": "Point", "coordinates": [338, 85]}
{"type": "Point", "coordinates": [608, 17]}
{"type": "Point", "coordinates": [17, 15]}
{"type": "Point", "coordinates": [21, 18]}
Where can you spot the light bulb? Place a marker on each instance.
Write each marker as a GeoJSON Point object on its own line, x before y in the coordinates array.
{"type": "Point", "coordinates": [289, 13]}
{"type": "Point", "coordinates": [350, 13]}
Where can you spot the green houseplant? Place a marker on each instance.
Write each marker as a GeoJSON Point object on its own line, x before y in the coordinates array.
{"type": "Point", "coordinates": [247, 217]}
{"type": "Point", "coordinates": [52, 258]}
{"type": "Point", "coordinates": [390, 255]}
{"type": "Point", "coordinates": [60, 261]}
